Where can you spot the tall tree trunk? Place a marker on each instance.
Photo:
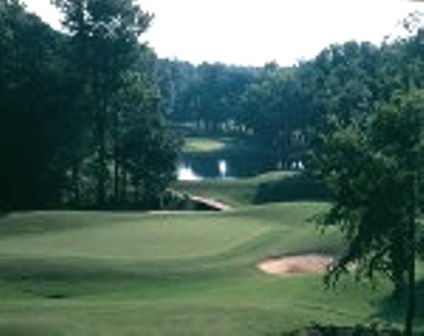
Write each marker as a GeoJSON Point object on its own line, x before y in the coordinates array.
{"type": "Point", "coordinates": [102, 171]}
{"type": "Point", "coordinates": [116, 159]}
{"type": "Point", "coordinates": [116, 178]}
{"type": "Point", "coordinates": [75, 184]}
{"type": "Point", "coordinates": [411, 299]}
{"type": "Point", "coordinates": [102, 164]}
{"type": "Point", "coordinates": [124, 187]}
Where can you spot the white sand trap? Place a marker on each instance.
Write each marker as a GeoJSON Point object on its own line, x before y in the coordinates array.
{"type": "Point", "coordinates": [300, 264]}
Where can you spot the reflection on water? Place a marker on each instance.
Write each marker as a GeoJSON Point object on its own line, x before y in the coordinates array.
{"type": "Point", "coordinates": [185, 173]}
{"type": "Point", "coordinates": [222, 167]}
{"type": "Point", "coordinates": [198, 167]}
{"type": "Point", "coordinates": [297, 165]}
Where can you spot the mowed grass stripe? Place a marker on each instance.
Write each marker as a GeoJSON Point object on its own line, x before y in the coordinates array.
{"type": "Point", "coordinates": [281, 306]}
{"type": "Point", "coordinates": [152, 237]}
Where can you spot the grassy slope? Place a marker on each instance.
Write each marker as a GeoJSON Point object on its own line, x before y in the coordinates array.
{"type": "Point", "coordinates": [262, 189]}
{"type": "Point", "coordinates": [187, 282]}
{"type": "Point", "coordinates": [105, 273]}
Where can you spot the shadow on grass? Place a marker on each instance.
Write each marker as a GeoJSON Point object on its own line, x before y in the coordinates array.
{"type": "Point", "coordinates": [4, 213]}
{"type": "Point", "coordinates": [45, 221]}
{"type": "Point", "coordinates": [387, 321]}
{"type": "Point", "coordinates": [28, 328]}
{"type": "Point", "coordinates": [392, 309]}
{"type": "Point", "coordinates": [358, 330]}
{"type": "Point", "coordinates": [298, 187]}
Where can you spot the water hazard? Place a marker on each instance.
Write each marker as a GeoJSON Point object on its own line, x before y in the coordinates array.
{"type": "Point", "coordinates": [195, 168]}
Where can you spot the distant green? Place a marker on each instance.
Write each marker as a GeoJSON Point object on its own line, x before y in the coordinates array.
{"type": "Point", "coordinates": [203, 145]}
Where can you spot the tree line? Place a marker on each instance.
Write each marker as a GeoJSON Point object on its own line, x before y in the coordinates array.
{"type": "Point", "coordinates": [85, 111]}
{"type": "Point", "coordinates": [280, 108]}
{"type": "Point", "coordinates": [80, 121]}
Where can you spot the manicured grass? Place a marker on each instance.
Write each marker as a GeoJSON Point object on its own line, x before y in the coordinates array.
{"type": "Point", "coordinates": [212, 146]}
{"type": "Point", "coordinates": [203, 145]}
{"type": "Point", "coordinates": [146, 237]}
{"type": "Point", "coordinates": [277, 186]}
{"type": "Point", "coordinates": [238, 192]}
{"type": "Point", "coordinates": [104, 273]}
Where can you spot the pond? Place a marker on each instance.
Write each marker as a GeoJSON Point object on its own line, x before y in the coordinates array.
{"type": "Point", "coordinates": [194, 168]}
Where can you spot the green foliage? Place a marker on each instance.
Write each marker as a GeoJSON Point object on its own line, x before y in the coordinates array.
{"type": "Point", "coordinates": [105, 38]}
{"type": "Point", "coordinates": [280, 108]}
{"type": "Point", "coordinates": [368, 149]}
{"type": "Point", "coordinates": [71, 105]}
{"type": "Point", "coordinates": [342, 80]}
{"type": "Point", "coordinates": [374, 169]}
{"type": "Point", "coordinates": [211, 97]}
{"type": "Point", "coordinates": [33, 122]}
{"type": "Point", "coordinates": [275, 113]}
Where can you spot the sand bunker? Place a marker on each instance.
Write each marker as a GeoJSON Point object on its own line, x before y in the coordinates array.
{"type": "Point", "coordinates": [299, 264]}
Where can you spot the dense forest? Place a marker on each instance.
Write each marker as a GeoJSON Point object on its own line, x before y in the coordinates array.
{"type": "Point", "coordinates": [282, 108]}
{"type": "Point", "coordinates": [80, 123]}
{"type": "Point", "coordinates": [92, 118]}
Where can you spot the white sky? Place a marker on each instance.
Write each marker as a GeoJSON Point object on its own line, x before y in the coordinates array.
{"type": "Point", "coordinates": [253, 32]}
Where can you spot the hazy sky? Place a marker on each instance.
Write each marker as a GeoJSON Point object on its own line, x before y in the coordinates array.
{"type": "Point", "coordinates": [253, 32]}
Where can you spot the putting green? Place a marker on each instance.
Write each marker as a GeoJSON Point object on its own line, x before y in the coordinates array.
{"type": "Point", "coordinates": [139, 237]}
